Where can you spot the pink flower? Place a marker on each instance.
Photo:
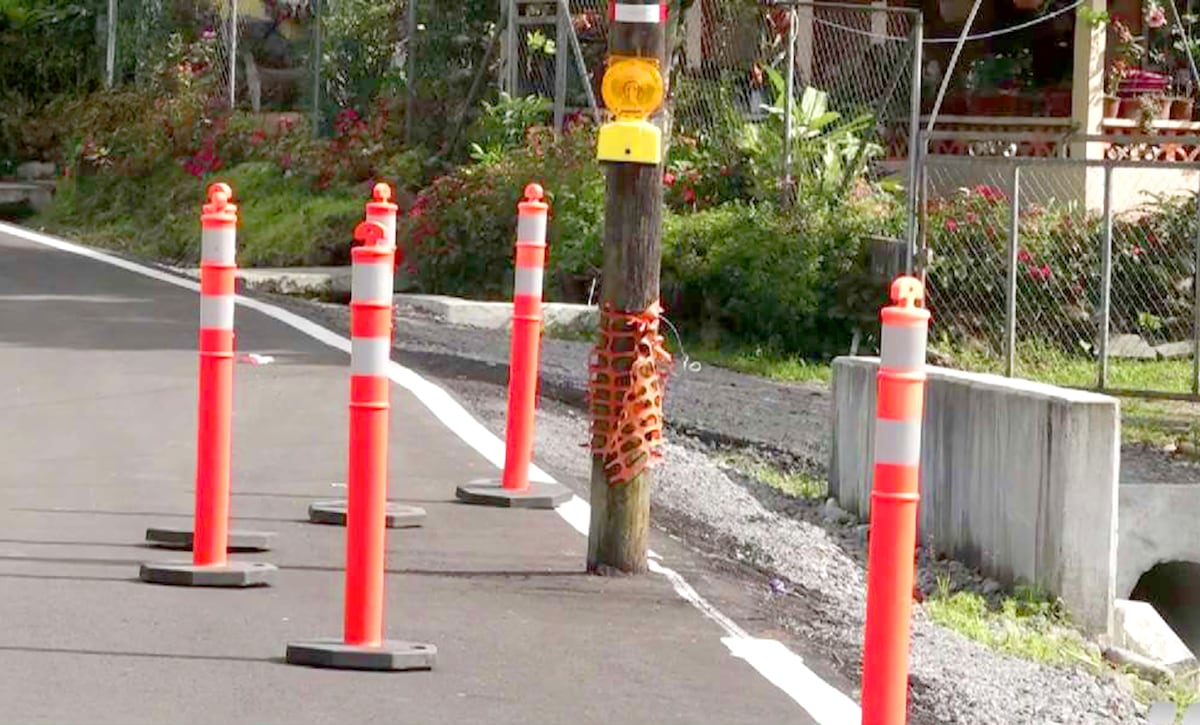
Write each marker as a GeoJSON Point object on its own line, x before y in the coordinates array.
{"type": "Point", "coordinates": [1136, 250]}
{"type": "Point", "coordinates": [689, 195]}
{"type": "Point", "coordinates": [951, 225]}
{"type": "Point", "coordinates": [1041, 274]}
{"type": "Point", "coordinates": [1023, 256]}
{"type": "Point", "coordinates": [972, 217]}
{"type": "Point", "coordinates": [991, 193]}
{"type": "Point", "coordinates": [1157, 17]}
{"type": "Point", "coordinates": [668, 178]}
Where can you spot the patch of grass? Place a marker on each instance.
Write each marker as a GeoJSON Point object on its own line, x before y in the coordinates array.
{"type": "Point", "coordinates": [1027, 624]}
{"type": "Point", "coordinates": [793, 482]}
{"type": "Point", "coordinates": [1032, 626]}
{"type": "Point", "coordinates": [748, 359]}
{"type": "Point", "coordinates": [281, 221]}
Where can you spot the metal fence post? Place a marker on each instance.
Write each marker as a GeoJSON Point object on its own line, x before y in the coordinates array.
{"type": "Point", "coordinates": [1196, 305]}
{"type": "Point", "coordinates": [410, 73]}
{"type": "Point", "coordinates": [233, 51]}
{"type": "Point", "coordinates": [316, 71]}
{"type": "Point", "coordinates": [914, 126]}
{"type": "Point", "coordinates": [110, 46]}
{"type": "Point", "coordinates": [1014, 242]}
{"type": "Point", "coordinates": [1105, 278]}
{"type": "Point", "coordinates": [789, 107]}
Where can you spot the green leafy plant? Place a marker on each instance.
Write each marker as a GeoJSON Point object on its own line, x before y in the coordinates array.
{"type": "Point", "coordinates": [829, 151]}
{"type": "Point", "coordinates": [502, 126]}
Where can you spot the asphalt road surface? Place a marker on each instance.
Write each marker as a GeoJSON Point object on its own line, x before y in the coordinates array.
{"type": "Point", "coordinates": [97, 443]}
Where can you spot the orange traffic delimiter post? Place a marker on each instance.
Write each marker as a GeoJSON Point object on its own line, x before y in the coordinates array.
{"type": "Point", "coordinates": [515, 489]}
{"type": "Point", "coordinates": [362, 646]}
{"type": "Point", "coordinates": [900, 398]}
{"type": "Point", "coordinates": [374, 291]}
{"type": "Point", "coordinates": [210, 565]}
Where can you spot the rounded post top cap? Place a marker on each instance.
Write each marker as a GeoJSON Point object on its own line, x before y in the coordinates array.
{"type": "Point", "coordinates": [369, 233]}
{"type": "Point", "coordinates": [907, 292]}
{"type": "Point", "coordinates": [219, 206]}
{"type": "Point", "coordinates": [382, 192]}
{"type": "Point", "coordinates": [534, 192]}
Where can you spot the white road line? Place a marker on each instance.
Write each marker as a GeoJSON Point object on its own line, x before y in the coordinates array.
{"type": "Point", "coordinates": [771, 658]}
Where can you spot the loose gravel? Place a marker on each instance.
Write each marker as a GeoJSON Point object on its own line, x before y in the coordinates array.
{"type": "Point", "coordinates": [814, 552]}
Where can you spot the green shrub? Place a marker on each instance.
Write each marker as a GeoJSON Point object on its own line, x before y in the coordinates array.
{"type": "Point", "coordinates": [459, 232]}
{"type": "Point", "coordinates": [791, 282]}
{"type": "Point", "coordinates": [1058, 269]}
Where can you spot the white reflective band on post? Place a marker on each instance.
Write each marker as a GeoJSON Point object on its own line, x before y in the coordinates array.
{"type": "Point", "coordinates": [218, 244]}
{"type": "Point", "coordinates": [388, 222]}
{"type": "Point", "coordinates": [216, 312]}
{"type": "Point", "coordinates": [371, 283]}
{"type": "Point", "coordinates": [638, 13]}
{"type": "Point", "coordinates": [370, 355]}
{"type": "Point", "coordinates": [528, 281]}
{"type": "Point", "coordinates": [902, 347]}
{"type": "Point", "coordinates": [898, 441]}
{"type": "Point", "coordinates": [531, 228]}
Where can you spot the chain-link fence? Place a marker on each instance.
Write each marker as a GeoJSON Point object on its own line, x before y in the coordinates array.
{"type": "Point", "coordinates": [1071, 270]}
{"type": "Point", "coordinates": [838, 113]}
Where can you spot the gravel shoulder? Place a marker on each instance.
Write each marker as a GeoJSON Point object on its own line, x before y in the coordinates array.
{"type": "Point", "coordinates": [812, 554]}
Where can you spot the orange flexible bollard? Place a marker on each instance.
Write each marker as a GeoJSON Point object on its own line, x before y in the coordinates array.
{"type": "Point", "coordinates": [515, 488]}
{"type": "Point", "coordinates": [214, 439]}
{"type": "Point", "coordinates": [894, 495]}
{"type": "Point", "coordinates": [370, 339]}
{"type": "Point", "coordinates": [381, 212]}
{"type": "Point", "coordinates": [362, 646]}
{"type": "Point", "coordinates": [210, 564]}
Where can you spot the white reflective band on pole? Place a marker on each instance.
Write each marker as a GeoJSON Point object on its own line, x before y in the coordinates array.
{"type": "Point", "coordinates": [218, 245]}
{"type": "Point", "coordinates": [388, 222]}
{"type": "Point", "coordinates": [898, 441]}
{"type": "Point", "coordinates": [902, 347]}
{"type": "Point", "coordinates": [528, 281]}
{"type": "Point", "coordinates": [216, 312]}
{"type": "Point", "coordinates": [638, 13]}
{"type": "Point", "coordinates": [371, 283]}
{"type": "Point", "coordinates": [370, 355]}
{"type": "Point", "coordinates": [531, 228]}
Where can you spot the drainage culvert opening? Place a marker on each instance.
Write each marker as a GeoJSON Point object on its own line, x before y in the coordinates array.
{"type": "Point", "coordinates": [1173, 589]}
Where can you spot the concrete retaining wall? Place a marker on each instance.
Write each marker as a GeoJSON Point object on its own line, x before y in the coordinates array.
{"type": "Point", "coordinates": [1017, 478]}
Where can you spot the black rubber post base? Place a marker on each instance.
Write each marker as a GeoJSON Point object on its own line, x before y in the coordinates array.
{"type": "Point", "coordinates": [492, 493]}
{"type": "Point", "coordinates": [181, 539]}
{"type": "Point", "coordinates": [230, 575]}
{"type": "Point", "coordinates": [389, 656]}
{"type": "Point", "coordinates": [399, 516]}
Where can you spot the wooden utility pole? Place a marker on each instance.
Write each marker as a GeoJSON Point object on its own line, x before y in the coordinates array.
{"type": "Point", "coordinates": [617, 538]}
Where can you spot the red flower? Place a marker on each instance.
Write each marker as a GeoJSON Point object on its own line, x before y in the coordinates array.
{"type": "Point", "coordinates": [951, 225]}
{"type": "Point", "coordinates": [689, 195]}
{"type": "Point", "coordinates": [1023, 256]}
{"type": "Point", "coordinates": [1041, 274]}
{"type": "Point", "coordinates": [972, 217]}
{"type": "Point", "coordinates": [1136, 250]}
{"type": "Point", "coordinates": [668, 178]}
{"type": "Point", "coordinates": [990, 193]}
{"type": "Point", "coordinates": [258, 137]}
{"type": "Point", "coordinates": [1152, 239]}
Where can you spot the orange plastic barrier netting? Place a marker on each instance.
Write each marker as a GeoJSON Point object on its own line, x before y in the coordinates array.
{"type": "Point", "coordinates": [628, 374]}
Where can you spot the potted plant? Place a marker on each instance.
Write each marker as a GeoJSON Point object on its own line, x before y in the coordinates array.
{"type": "Point", "coordinates": [1182, 101]}
{"type": "Point", "coordinates": [1112, 88]}
{"type": "Point", "coordinates": [1149, 109]}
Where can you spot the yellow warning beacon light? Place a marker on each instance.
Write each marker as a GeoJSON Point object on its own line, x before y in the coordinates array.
{"type": "Point", "coordinates": [632, 90]}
